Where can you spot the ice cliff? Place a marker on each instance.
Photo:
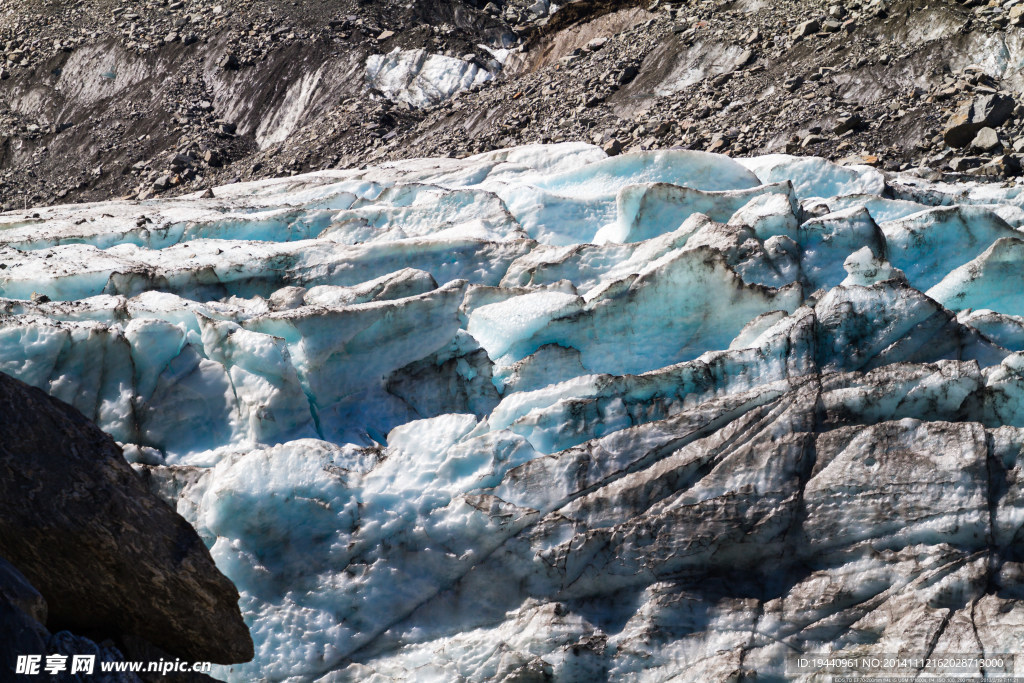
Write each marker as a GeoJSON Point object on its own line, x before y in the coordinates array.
{"type": "Point", "coordinates": [540, 413]}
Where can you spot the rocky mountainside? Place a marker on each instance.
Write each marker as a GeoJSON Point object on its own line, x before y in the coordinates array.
{"type": "Point", "coordinates": [545, 414]}
{"type": "Point", "coordinates": [104, 99]}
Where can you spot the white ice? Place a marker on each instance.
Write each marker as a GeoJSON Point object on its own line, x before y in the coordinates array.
{"type": "Point", "coordinates": [366, 388]}
{"type": "Point", "coordinates": [421, 79]}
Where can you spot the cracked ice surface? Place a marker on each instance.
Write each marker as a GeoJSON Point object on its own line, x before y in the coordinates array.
{"type": "Point", "coordinates": [541, 413]}
{"type": "Point", "coordinates": [421, 79]}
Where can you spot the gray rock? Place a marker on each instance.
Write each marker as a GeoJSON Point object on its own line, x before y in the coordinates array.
{"type": "Point", "coordinates": [22, 634]}
{"type": "Point", "coordinates": [22, 617]}
{"type": "Point", "coordinates": [540, 8]}
{"type": "Point", "coordinates": [962, 164]}
{"type": "Point", "coordinates": [108, 556]}
{"type": "Point", "coordinates": [1004, 165]}
{"type": "Point", "coordinates": [986, 111]}
{"type": "Point", "coordinates": [848, 123]}
{"type": "Point", "coordinates": [17, 591]}
{"type": "Point", "coordinates": [807, 28]}
{"type": "Point", "coordinates": [627, 75]}
{"type": "Point", "coordinates": [180, 162]}
{"type": "Point", "coordinates": [987, 140]}
{"type": "Point", "coordinates": [613, 147]}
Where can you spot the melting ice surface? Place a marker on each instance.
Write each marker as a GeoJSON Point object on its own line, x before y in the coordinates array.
{"type": "Point", "coordinates": [421, 79]}
{"type": "Point", "coordinates": [542, 413]}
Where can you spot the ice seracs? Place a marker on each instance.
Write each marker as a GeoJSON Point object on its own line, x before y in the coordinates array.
{"type": "Point", "coordinates": [540, 412]}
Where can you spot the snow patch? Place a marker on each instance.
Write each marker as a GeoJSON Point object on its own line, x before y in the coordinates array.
{"type": "Point", "coordinates": [420, 79]}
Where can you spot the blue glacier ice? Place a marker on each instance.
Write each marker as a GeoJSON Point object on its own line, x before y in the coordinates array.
{"type": "Point", "coordinates": [544, 413]}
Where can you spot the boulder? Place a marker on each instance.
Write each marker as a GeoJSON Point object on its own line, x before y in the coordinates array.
{"type": "Point", "coordinates": [986, 111]}
{"type": "Point", "coordinates": [228, 62]}
{"type": "Point", "coordinates": [21, 606]}
{"type": "Point", "coordinates": [807, 28]}
{"type": "Point", "coordinates": [109, 557]}
{"type": "Point", "coordinates": [613, 147]}
{"type": "Point", "coordinates": [848, 123]}
{"type": "Point", "coordinates": [16, 591]}
{"type": "Point", "coordinates": [987, 140]}
{"type": "Point", "coordinates": [22, 615]}
{"type": "Point", "coordinates": [1016, 15]}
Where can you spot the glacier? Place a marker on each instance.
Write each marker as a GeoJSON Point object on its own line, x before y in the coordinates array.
{"type": "Point", "coordinates": [542, 414]}
{"type": "Point", "coordinates": [421, 79]}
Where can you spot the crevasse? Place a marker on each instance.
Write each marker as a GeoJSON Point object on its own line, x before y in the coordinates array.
{"type": "Point", "coordinates": [540, 410]}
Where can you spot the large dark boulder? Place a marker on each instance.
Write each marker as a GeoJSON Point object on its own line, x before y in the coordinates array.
{"type": "Point", "coordinates": [22, 611]}
{"type": "Point", "coordinates": [987, 111]}
{"type": "Point", "coordinates": [22, 614]}
{"type": "Point", "coordinates": [109, 557]}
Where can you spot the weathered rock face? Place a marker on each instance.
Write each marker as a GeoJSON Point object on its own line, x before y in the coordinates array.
{"type": "Point", "coordinates": [18, 592]}
{"type": "Point", "coordinates": [22, 615]}
{"type": "Point", "coordinates": [98, 102]}
{"type": "Point", "coordinates": [108, 556]}
{"type": "Point", "coordinates": [988, 111]}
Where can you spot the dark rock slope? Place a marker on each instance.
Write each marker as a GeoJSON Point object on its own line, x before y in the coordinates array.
{"type": "Point", "coordinates": [139, 99]}
{"type": "Point", "coordinates": [108, 558]}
